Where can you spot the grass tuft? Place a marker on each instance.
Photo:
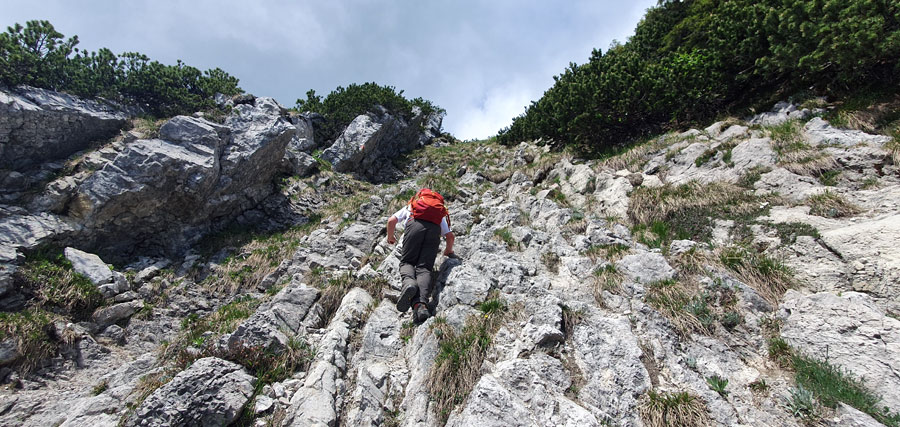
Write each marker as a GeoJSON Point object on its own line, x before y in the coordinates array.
{"type": "Point", "coordinates": [55, 286]}
{"type": "Point", "coordinates": [718, 384]}
{"type": "Point", "coordinates": [831, 385]}
{"type": "Point", "coordinates": [28, 328]}
{"type": "Point", "coordinates": [608, 279]}
{"type": "Point", "coordinates": [667, 213]}
{"type": "Point", "coordinates": [457, 366]}
{"type": "Point", "coordinates": [673, 409]}
{"type": "Point", "coordinates": [831, 205]}
{"type": "Point", "coordinates": [673, 299]}
{"type": "Point", "coordinates": [506, 237]}
{"type": "Point", "coordinates": [769, 276]}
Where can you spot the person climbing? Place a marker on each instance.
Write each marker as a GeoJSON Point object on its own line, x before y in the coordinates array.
{"type": "Point", "coordinates": [426, 219]}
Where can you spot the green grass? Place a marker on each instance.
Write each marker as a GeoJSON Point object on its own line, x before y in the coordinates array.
{"type": "Point", "coordinates": [789, 231]}
{"type": "Point", "coordinates": [752, 176]}
{"type": "Point", "coordinates": [49, 276]}
{"type": "Point", "coordinates": [609, 252]}
{"type": "Point", "coordinates": [705, 157]}
{"type": "Point", "coordinates": [255, 257]}
{"type": "Point", "coordinates": [731, 320]}
{"type": "Point", "coordinates": [324, 165]}
{"type": "Point", "coordinates": [759, 386]}
{"type": "Point", "coordinates": [672, 409]}
{"type": "Point", "coordinates": [492, 306]}
{"type": "Point", "coordinates": [830, 177]}
{"type": "Point", "coordinates": [194, 329]}
{"type": "Point", "coordinates": [768, 276]}
{"type": "Point", "coordinates": [674, 301]}
{"type": "Point", "coordinates": [662, 214]}
{"type": "Point", "coordinates": [718, 384]}
{"type": "Point", "coordinates": [29, 330]}
{"type": "Point", "coordinates": [831, 205]}
{"type": "Point", "coordinates": [506, 237]}
{"type": "Point", "coordinates": [786, 136]}
{"type": "Point", "coordinates": [831, 385]}
{"type": "Point", "coordinates": [335, 288]}
{"type": "Point", "coordinates": [445, 184]}
{"type": "Point", "coordinates": [457, 366]}
{"type": "Point", "coordinates": [609, 279]}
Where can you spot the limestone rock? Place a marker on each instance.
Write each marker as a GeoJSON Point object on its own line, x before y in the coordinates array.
{"type": "Point", "coordinates": [211, 392]}
{"type": "Point", "coordinates": [781, 112]}
{"type": "Point", "coordinates": [851, 332]}
{"type": "Point", "coordinates": [272, 324]}
{"type": "Point", "coordinates": [317, 402]}
{"type": "Point", "coordinates": [159, 194]}
{"type": "Point", "coordinates": [819, 132]}
{"type": "Point", "coordinates": [374, 137]}
{"type": "Point", "coordinates": [108, 315]}
{"type": "Point", "coordinates": [39, 125]}
{"type": "Point", "coordinates": [523, 392]}
{"type": "Point", "coordinates": [89, 265]}
{"type": "Point", "coordinates": [645, 267]}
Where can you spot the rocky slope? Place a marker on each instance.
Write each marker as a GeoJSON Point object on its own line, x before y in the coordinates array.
{"type": "Point", "coordinates": [668, 284]}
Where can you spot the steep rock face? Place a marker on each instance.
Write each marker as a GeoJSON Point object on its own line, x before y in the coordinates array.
{"type": "Point", "coordinates": [595, 316]}
{"type": "Point", "coordinates": [39, 125]}
{"type": "Point", "coordinates": [372, 138]}
{"type": "Point", "coordinates": [159, 194]}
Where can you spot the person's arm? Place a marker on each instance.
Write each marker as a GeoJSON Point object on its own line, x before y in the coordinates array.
{"type": "Point", "coordinates": [450, 238]}
{"type": "Point", "coordinates": [391, 226]}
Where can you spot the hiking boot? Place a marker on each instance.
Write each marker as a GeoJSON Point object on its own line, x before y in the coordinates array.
{"type": "Point", "coordinates": [421, 312]}
{"type": "Point", "coordinates": [406, 298]}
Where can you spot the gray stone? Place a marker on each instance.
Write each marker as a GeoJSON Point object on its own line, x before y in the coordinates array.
{"type": "Point", "coordinates": [89, 265]}
{"type": "Point", "coordinates": [788, 184]}
{"type": "Point", "coordinates": [316, 402]}
{"type": "Point", "coordinates": [273, 325]}
{"type": "Point", "coordinates": [848, 416]}
{"type": "Point", "coordinates": [523, 392]}
{"type": "Point", "coordinates": [679, 247]}
{"type": "Point", "coordinates": [211, 392]}
{"type": "Point", "coordinates": [377, 136]}
{"type": "Point", "coordinates": [645, 267]}
{"type": "Point", "coordinates": [9, 351]}
{"type": "Point", "coordinates": [820, 132]}
{"type": "Point", "coordinates": [39, 125]}
{"type": "Point", "coordinates": [114, 333]}
{"type": "Point", "coordinates": [115, 313]}
{"type": "Point", "coordinates": [851, 332]}
{"type": "Point", "coordinates": [609, 358]}
{"type": "Point", "coordinates": [157, 195]}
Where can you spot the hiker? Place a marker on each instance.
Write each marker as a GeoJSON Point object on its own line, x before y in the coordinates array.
{"type": "Point", "coordinates": [426, 219]}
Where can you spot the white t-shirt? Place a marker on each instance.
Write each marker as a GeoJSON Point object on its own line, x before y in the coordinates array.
{"type": "Point", "coordinates": [404, 216]}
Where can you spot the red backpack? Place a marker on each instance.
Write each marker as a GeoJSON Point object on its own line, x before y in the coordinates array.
{"type": "Point", "coordinates": [429, 206]}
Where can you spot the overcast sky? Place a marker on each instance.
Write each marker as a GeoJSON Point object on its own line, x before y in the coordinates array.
{"type": "Point", "coordinates": [482, 61]}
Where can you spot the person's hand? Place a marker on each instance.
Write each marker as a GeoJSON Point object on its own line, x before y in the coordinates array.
{"type": "Point", "coordinates": [391, 240]}
{"type": "Point", "coordinates": [449, 254]}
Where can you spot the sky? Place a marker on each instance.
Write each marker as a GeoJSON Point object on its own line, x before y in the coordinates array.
{"type": "Point", "coordinates": [482, 61]}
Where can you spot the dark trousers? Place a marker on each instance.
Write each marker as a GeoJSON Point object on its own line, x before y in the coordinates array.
{"type": "Point", "coordinates": [421, 241]}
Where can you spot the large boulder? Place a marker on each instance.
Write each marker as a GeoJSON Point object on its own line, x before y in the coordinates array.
{"type": "Point", "coordinates": [211, 392]}
{"type": "Point", "coordinates": [39, 125]}
{"type": "Point", "coordinates": [158, 195]}
{"type": "Point", "coordinates": [377, 136]}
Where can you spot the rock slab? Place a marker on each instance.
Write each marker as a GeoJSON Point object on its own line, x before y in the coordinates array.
{"type": "Point", "coordinates": [211, 392]}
